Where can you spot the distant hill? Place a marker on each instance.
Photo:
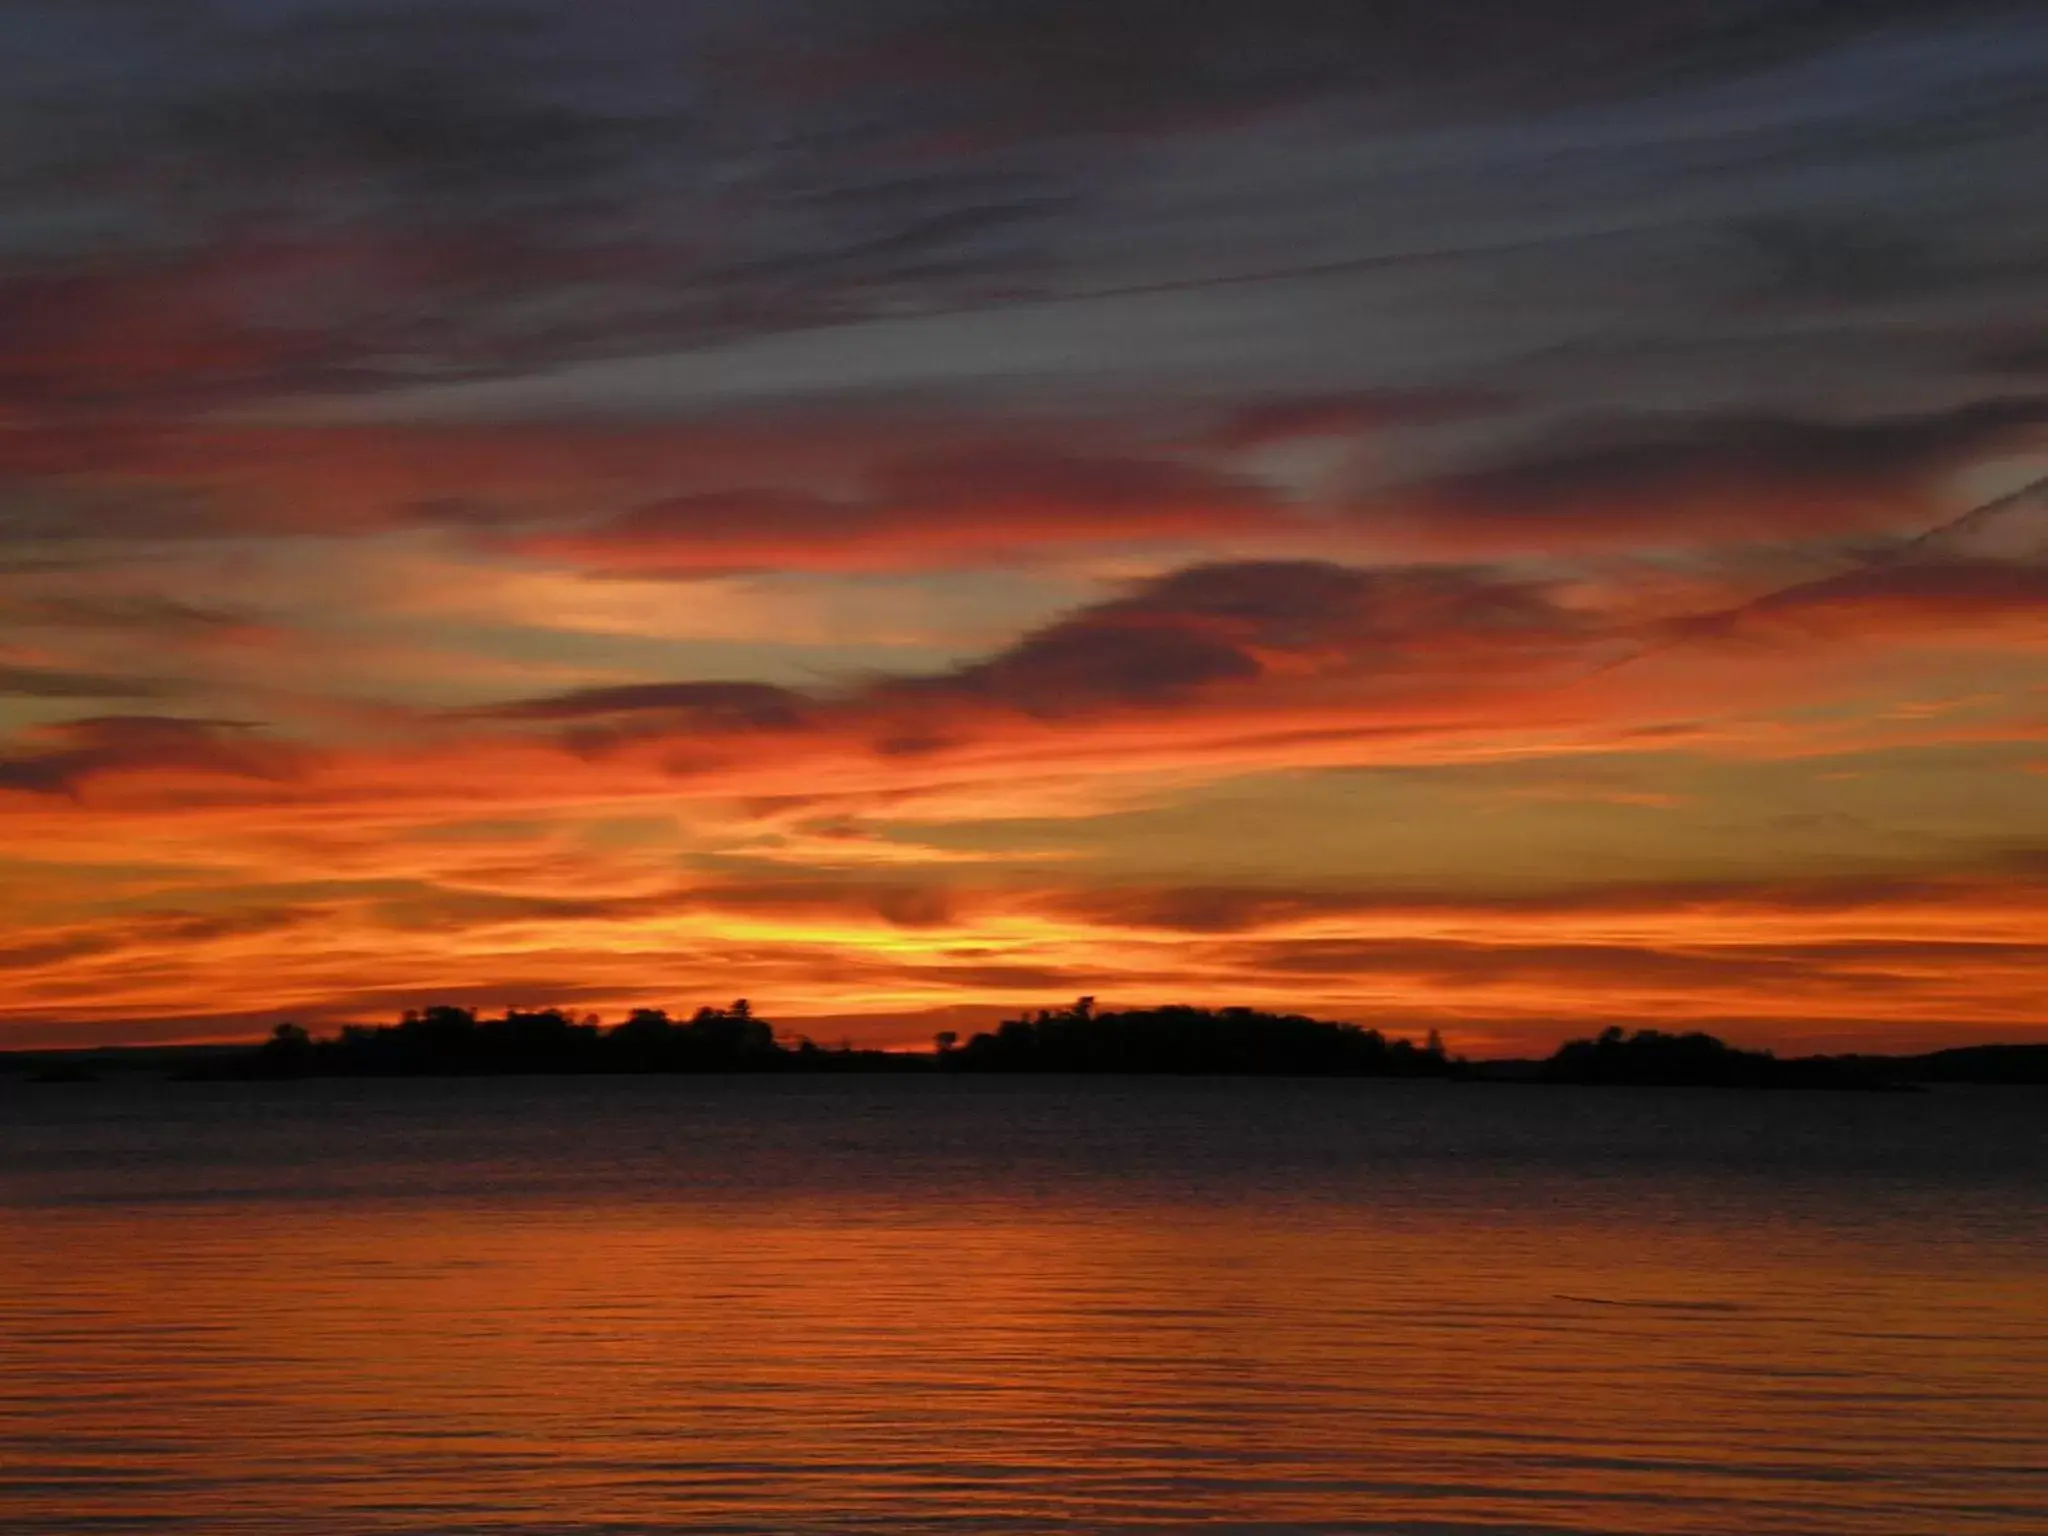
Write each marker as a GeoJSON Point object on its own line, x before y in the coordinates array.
{"type": "Point", "coordinates": [446, 1041]}
{"type": "Point", "coordinates": [1229, 1041]}
{"type": "Point", "coordinates": [450, 1041]}
{"type": "Point", "coordinates": [1649, 1057]}
{"type": "Point", "coordinates": [455, 1041]}
{"type": "Point", "coordinates": [1974, 1064]}
{"type": "Point", "coordinates": [94, 1063]}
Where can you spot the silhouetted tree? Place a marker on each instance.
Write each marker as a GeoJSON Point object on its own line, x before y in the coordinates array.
{"type": "Point", "coordinates": [731, 1031]}
{"type": "Point", "coordinates": [288, 1052]}
{"type": "Point", "coordinates": [1192, 1040]}
{"type": "Point", "coordinates": [1650, 1057]}
{"type": "Point", "coordinates": [645, 1042]}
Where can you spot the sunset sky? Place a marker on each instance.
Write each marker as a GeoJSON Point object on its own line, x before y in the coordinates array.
{"type": "Point", "coordinates": [1509, 517]}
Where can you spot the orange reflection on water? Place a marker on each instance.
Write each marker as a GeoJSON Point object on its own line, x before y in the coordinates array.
{"type": "Point", "coordinates": [1010, 1363]}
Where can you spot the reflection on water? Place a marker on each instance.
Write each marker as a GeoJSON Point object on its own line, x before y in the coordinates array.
{"type": "Point", "coordinates": [908, 1305]}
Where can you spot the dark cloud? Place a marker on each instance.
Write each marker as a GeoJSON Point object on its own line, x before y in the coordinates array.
{"type": "Point", "coordinates": [408, 131]}
{"type": "Point", "coordinates": [1494, 963]}
{"type": "Point", "coordinates": [1036, 67]}
{"type": "Point", "coordinates": [314, 201]}
{"type": "Point", "coordinates": [1024, 479]}
{"type": "Point", "coordinates": [1083, 665]}
{"type": "Point", "coordinates": [51, 683]}
{"type": "Point", "coordinates": [1737, 967]}
{"type": "Point", "coordinates": [201, 927]}
{"type": "Point", "coordinates": [1708, 480]}
{"type": "Point", "coordinates": [1217, 909]}
{"type": "Point", "coordinates": [2024, 353]}
{"type": "Point", "coordinates": [1196, 629]}
{"type": "Point", "coordinates": [226, 203]}
{"type": "Point", "coordinates": [711, 705]}
{"type": "Point", "coordinates": [38, 953]}
{"type": "Point", "coordinates": [1938, 595]}
{"type": "Point", "coordinates": [714, 530]}
{"type": "Point", "coordinates": [1829, 260]}
{"type": "Point", "coordinates": [139, 613]}
{"type": "Point", "coordinates": [952, 506]}
{"type": "Point", "coordinates": [444, 910]}
{"type": "Point", "coordinates": [75, 512]}
{"type": "Point", "coordinates": [240, 318]}
{"type": "Point", "coordinates": [1245, 629]}
{"type": "Point", "coordinates": [1359, 413]}
{"type": "Point", "coordinates": [898, 903]}
{"type": "Point", "coordinates": [912, 486]}
{"type": "Point", "coordinates": [154, 930]}
{"type": "Point", "coordinates": [80, 751]}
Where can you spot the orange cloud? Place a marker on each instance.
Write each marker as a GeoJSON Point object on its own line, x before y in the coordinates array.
{"type": "Point", "coordinates": [658, 841]}
{"type": "Point", "coordinates": [1898, 963]}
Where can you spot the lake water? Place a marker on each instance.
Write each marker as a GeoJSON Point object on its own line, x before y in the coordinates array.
{"type": "Point", "coordinates": [1007, 1305]}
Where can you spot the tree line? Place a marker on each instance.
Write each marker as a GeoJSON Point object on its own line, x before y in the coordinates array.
{"type": "Point", "coordinates": [449, 1040]}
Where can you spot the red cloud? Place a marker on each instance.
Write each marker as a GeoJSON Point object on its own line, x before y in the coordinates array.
{"type": "Point", "coordinates": [923, 510]}
{"type": "Point", "coordinates": [855, 491]}
{"type": "Point", "coordinates": [1959, 596]}
{"type": "Point", "coordinates": [1280, 651]}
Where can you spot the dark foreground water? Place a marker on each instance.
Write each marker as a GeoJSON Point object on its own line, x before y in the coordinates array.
{"type": "Point", "coordinates": [901, 1305]}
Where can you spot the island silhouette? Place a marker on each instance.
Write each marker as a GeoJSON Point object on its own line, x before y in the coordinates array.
{"type": "Point", "coordinates": [1181, 1040]}
{"type": "Point", "coordinates": [447, 1041]}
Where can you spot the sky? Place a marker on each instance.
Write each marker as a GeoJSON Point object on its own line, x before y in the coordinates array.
{"type": "Point", "coordinates": [1508, 518]}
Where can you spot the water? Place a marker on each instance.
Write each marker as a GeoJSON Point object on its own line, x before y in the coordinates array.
{"type": "Point", "coordinates": [908, 1305]}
